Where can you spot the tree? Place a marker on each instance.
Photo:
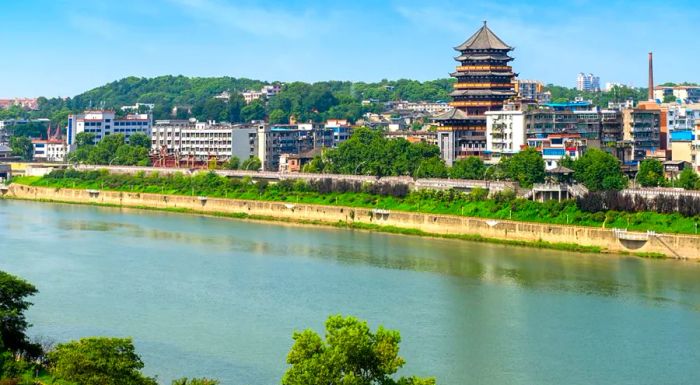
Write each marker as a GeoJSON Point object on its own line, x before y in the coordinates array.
{"type": "Point", "coordinates": [195, 381]}
{"type": "Point", "coordinates": [22, 147]}
{"type": "Point", "coordinates": [99, 361]}
{"type": "Point", "coordinates": [350, 354]}
{"type": "Point", "coordinates": [688, 179]}
{"type": "Point", "coordinates": [599, 171]}
{"type": "Point", "coordinates": [526, 167]}
{"type": "Point", "coordinates": [252, 164]}
{"type": "Point", "coordinates": [253, 111]}
{"type": "Point", "coordinates": [235, 104]}
{"type": "Point", "coordinates": [140, 139]}
{"type": "Point", "coordinates": [468, 168]}
{"type": "Point", "coordinates": [13, 303]}
{"type": "Point", "coordinates": [651, 173]}
{"type": "Point", "coordinates": [233, 164]}
{"type": "Point", "coordinates": [431, 168]}
{"type": "Point", "coordinates": [670, 98]}
{"type": "Point", "coordinates": [84, 139]}
{"type": "Point", "coordinates": [278, 117]}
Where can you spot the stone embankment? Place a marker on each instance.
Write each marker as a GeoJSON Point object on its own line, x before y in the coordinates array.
{"type": "Point", "coordinates": [608, 240]}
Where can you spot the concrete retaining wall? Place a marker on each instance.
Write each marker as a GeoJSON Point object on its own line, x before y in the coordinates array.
{"type": "Point", "coordinates": [674, 246]}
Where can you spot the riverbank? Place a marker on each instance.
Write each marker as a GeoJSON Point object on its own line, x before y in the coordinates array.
{"type": "Point", "coordinates": [560, 237]}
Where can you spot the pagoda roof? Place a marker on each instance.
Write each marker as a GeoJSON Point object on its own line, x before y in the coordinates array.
{"type": "Point", "coordinates": [456, 114]}
{"type": "Point", "coordinates": [485, 92]}
{"type": "Point", "coordinates": [560, 170]}
{"type": "Point", "coordinates": [483, 56]}
{"type": "Point", "coordinates": [482, 73]}
{"type": "Point", "coordinates": [484, 38]}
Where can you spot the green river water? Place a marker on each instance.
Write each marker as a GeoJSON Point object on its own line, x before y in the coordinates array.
{"type": "Point", "coordinates": [216, 297]}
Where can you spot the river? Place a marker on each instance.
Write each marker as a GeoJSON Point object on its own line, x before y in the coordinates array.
{"type": "Point", "coordinates": [205, 296]}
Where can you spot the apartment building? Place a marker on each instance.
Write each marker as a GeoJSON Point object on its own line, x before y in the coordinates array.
{"type": "Point", "coordinates": [587, 82]}
{"type": "Point", "coordinates": [102, 123]}
{"type": "Point", "coordinates": [203, 141]}
{"type": "Point", "coordinates": [278, 139]}
{"type": "Point", "coordinates": [642, 129]}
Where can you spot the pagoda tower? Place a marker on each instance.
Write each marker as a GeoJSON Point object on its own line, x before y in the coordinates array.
{"type": "Point", "coordinates": [484, 83]}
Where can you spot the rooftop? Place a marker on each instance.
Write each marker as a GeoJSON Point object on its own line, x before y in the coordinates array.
{"type": "Point", "coordinates": [484, 38]}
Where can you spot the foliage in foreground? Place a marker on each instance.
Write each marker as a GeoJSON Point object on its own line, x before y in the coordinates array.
{"type": "Point", "coordinates": [112, 149]}
{"type": "Point", "coordinates": [99, 361]}
{"type": "Point", "coordinates": [350, 354]}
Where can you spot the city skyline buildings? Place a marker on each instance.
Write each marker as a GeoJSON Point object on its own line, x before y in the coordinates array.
{"type": "Point", "coordinates": [358, 41]}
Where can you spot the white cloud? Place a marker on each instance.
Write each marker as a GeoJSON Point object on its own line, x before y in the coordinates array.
{"type": "Point", "coordinates": [258, 21]}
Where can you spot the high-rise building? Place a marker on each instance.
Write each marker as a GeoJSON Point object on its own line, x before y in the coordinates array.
{"type": "Point", "coordinates": [484, 83]}
{"type": "Point", "coordinates": [587, 82]}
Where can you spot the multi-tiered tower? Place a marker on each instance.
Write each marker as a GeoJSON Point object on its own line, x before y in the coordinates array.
{"type": "Point", "coordinates": [484, 83]}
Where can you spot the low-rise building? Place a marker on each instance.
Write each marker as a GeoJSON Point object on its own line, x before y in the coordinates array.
{"type": "Point", "coordinates": [51, 150]}
{"type": "Point", "coordinates": [688, 94]}
{"type": "Point", "coordinates": [26, 103]}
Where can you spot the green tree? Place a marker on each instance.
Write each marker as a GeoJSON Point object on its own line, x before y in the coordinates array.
{"type": "Point", "coordinates": [350, 354]}
{"type": "Point", "coordinates": [433, 167]}
{"type": "Point", "coordinates": [233, 164]}
{"type": "Point", "coordinates": [252, 164]}
{"type": "Point", "coordinates": [468, 168]}
{"type": "Point", "coordinates": [22, 147]}
{"type": "Point", "coordinates": [526, 167]}
{"type": "Point", "coordinates": [278, 117]}
{"type": "Point", "coordinates": [14, 292]}
{"type": "Point", "coordinates": [651, 173]}
{"type": "Point", "coordinates": [599, 171]}
{"type": "Point", "coordinates": [99, 361]}
{"type": "Point", "coordinates": [253, 111]}
{"type": "Point", "coordinates": [195, 381]}
{"type": "Point", "coordinates": [235, 104]}
{"type": "Point", "coordinates": [670, 98]}
{"type": "Point", "coordinates": [688, 179]}
{"type": "Point", "coordinates": [140, 139]}
{"type": "Point", "coordinates": [84, 139]}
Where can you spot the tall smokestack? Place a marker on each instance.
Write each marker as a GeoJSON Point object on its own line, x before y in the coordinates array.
{"type": "Point", "coordinates": [651, 78]}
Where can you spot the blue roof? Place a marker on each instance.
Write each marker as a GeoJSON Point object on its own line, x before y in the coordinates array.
{"type": "Point", "coordinates": [568, 104]}
{"type": "Point", "coordinates": [682, 135]}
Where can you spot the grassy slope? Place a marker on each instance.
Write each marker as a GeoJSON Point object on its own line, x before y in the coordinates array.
{"type": "Point", "coordinates": [518, 210]}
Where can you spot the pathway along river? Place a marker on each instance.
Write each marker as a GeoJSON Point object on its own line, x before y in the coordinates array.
{"type": "Point", "coordinates": [218, 297]}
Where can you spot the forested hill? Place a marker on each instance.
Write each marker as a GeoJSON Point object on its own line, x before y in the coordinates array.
{"type": "Point", "coordinates": [195, 98]}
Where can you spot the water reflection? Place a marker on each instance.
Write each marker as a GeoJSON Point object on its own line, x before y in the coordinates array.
{"type": "Point", "coordinates": [662, 282]}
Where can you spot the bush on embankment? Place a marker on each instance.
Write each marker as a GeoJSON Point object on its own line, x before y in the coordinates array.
{"type": "Point", "coordinates": [355, 194]}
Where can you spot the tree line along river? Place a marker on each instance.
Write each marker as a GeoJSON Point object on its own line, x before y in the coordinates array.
{"type": "Point", "coordinates": [215, 297]}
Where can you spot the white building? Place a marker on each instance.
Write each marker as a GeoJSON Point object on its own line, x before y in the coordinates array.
{"type": "Point", "coordinates": [52, 150]}
{"type": "Point", "coordinates": [505, 133]}
{"type": "Point", "coordinates": [426, 107]}
{"type": "Point", "coordinates": [202, 141]}
{"type": "Point", "coordinates": [137, 107]}
{"type": "Point", "coordinates": [266, 91]}
{"type": "Point", "coordinates": [587, 82]}
{"type": "Point", "coordinates": [104, 123]}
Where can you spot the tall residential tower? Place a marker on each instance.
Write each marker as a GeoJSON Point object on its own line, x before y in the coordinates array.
{"type": "Point", "coordinates": [484, 83]}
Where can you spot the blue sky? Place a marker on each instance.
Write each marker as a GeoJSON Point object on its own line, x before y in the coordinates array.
{"type": "Point", "coordinates": [64, 47]}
